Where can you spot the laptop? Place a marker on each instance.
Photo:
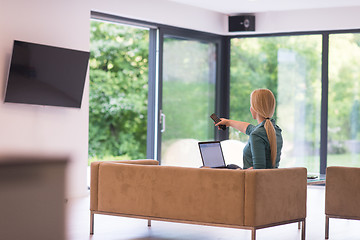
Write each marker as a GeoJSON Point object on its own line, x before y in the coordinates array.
{"type": "Point", "coordinates": [211, 154]}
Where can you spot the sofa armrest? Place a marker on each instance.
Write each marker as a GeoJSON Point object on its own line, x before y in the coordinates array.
{"type": "Point", "coordinates": [94, 180]}
{"type": "Point", "coordinates": [341, 193]}
{"type": "Point", "coordinates": [275, 195]}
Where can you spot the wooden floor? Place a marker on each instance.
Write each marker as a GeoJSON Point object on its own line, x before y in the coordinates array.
{"type": "Point", "coordinates": [119, 228]}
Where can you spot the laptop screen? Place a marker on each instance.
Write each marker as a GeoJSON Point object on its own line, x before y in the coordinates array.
{"type": "Point", "coordinates": [211, 154]}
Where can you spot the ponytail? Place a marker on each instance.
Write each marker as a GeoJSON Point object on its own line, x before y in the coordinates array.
{"type": "Point", "coordinates": [263, 102]}
{"type": "Point", "coordinates": [271, 134]}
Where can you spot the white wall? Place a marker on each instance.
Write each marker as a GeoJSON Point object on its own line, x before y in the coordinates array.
{"type": "Point", "coordinates": [307, 20]}
{"type": "Point", "coordinates": [43, 129]}
{"type": "Point", "coordinates": [172, 13]}
{"type": "Point", "coordinates": [164, 12]}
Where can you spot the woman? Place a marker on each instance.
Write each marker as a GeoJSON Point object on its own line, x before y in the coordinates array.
{"type": "Point", "coordinates": [263, 149]}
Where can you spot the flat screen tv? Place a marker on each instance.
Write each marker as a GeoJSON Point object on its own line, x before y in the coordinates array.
{"type": "Point", "coordinates": [46, 75]}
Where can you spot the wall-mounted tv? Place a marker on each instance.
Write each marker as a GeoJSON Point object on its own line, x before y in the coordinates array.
{"type": "Point", "coordinates": [46, 75]}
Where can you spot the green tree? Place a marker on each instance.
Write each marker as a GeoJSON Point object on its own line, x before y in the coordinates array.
{"type": "Point", "coordinates": [118, 91]}
{"type": "Point", "coordinates": [344, 87]}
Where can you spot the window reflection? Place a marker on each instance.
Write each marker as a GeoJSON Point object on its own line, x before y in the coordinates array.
{"type": "Point", "coordinates": [188, 99]}
{"type": "Point", "coordinates": [344, 100]}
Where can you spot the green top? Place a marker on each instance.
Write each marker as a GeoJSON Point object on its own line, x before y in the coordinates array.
{"type": "Point", "coordinates": [257, 151]}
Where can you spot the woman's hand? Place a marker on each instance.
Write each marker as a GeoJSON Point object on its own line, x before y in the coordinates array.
{"type": "Point", "coordinates": [223, 121]}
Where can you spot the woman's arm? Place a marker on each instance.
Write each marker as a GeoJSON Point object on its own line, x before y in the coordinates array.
{"type": "Point", "coordinates": [241, 126]}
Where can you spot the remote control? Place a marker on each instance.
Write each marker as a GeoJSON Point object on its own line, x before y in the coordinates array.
{"type": "Point", "coordinates": [216, 120]}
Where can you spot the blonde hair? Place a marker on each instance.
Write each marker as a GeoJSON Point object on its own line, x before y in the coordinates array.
{"type": "Point", "coordinates": [263, 102]}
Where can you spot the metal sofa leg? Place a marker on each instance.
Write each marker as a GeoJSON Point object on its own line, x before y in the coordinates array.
{"type": "Point", "coordinates": [91, 223]}
{"type": "Point", "coordinates": [303, 231]}
{"type": "Point", "coordinates": [149, 222]}
{"type": "Point", "coordinates": [326, 227]}
{"type": "Point", "coordinates": [253, 233]}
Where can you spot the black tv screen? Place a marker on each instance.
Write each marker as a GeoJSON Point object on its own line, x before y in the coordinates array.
{"type": "Point", "coordinates": [46, 75]}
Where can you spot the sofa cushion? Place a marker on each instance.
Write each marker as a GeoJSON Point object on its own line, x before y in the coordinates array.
{"type": "Point", "coordinates": [94, 183]}
{"type": "Point", "coordinates": [125, 188]}
{"type": "Point", "coordinates": [202, 195]}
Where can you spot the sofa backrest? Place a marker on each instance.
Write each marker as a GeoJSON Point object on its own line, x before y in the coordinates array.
{"type": "Point", "coordinates": [216, 196]}
{"type": "Point", "coordinates": [178, 193]}
{"type": "Point", "coordinates": [94, 181]}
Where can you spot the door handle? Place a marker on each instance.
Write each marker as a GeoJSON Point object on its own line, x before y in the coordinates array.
{"type": "Point", "coordinates": [162, 121]}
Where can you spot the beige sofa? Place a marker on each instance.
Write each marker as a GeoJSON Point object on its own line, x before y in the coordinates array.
{"type": "Point", "coordinates": [342, 195]}
{"type": "Point", "coordinates": [251, 199]}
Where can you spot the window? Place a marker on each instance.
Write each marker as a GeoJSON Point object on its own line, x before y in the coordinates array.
{"type": "Point", "coordinates": [118, 91]}
{"type": "Point", "coordinates": [153, 89]}
{"type": "Point", "coordinates": [344, 100]}
{"type": "Point", "coordinates": [188, 99]}
{"type": "Point", "coordinates": [290, 66]}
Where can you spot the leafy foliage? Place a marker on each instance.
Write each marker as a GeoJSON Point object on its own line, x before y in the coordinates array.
{"type": "Point", "coordinates": [344, 87]}
{"type": "Point", "coordinates": [118, 91]}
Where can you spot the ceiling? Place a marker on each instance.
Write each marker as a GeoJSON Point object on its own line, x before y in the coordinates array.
{"type": "Point", "coordinates": [233, 7]}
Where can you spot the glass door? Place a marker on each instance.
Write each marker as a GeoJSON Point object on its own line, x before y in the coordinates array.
{"type": "Point", "coordinates": [188, 99]}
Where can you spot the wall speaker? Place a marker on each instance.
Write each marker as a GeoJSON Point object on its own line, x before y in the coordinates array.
{"type": "Point", "coordinates": [241, 23]}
